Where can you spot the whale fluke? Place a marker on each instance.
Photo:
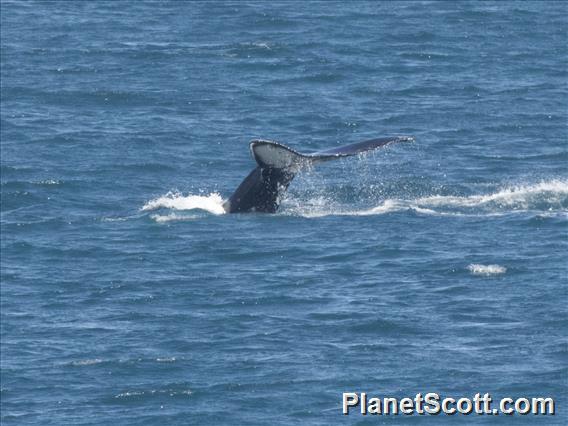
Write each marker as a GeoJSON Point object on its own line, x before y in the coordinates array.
{"type": "Point", "coordinates": [277, 166]}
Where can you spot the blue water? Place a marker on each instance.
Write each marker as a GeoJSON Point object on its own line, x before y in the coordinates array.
{"type": "Point", "coordinates": [438, 266]}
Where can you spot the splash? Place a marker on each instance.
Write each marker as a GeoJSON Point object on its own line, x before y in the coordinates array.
{"type": "Point", "coordinates": [212, 203]}
{"type": "Point", "coordinates": [477, 269]}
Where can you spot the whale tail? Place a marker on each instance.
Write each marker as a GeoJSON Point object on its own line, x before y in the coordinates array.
{"type": "Point", "coordinates": [277, 166]}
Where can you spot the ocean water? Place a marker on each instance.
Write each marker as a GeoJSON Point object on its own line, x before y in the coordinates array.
{"type": "Point", "coordinates": [128, 297]}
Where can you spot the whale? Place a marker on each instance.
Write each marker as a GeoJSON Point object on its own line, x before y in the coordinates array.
{"type": "Point", "coordinates": [277, 164]}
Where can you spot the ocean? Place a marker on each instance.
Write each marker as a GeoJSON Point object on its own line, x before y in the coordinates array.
{"type": "Point", "coordinates": [128, 297]}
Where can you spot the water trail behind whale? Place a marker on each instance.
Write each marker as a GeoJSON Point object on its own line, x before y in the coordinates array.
{"type": "Point", "coordinates": [549, 197]}
{"type": "Point", "coordinates": [545, 196]}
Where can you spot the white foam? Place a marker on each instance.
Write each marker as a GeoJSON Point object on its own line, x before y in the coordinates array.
{"type": "Point", "coordinates": [49, 182]}
{"type": "Point", "coordinates": [316, 206]}
{"type": "Point", "coordinates": [114, 219]}
{"type": "Point", "coordinates": [172, 217]}
{"type": "Point", "coordinates": [170, 392]}
{"type": "Point", "coordinates": [129, 393]}
{"type": "Point", "coordinates": [549, 196]}
{"type": "Point", "coordinates": [546, 196]}
{"type": "Point", "coordinates": [212, 203]}
{"type": "Point", "coordinates": [87, 362]}
{"type": "Point", "coordinates": [387, 206]}
{"type": "Point", "coordinates": [519, 197]}
{"type": "Point", "coordinates": [478, 269]}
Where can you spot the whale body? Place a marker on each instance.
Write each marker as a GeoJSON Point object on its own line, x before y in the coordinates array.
{"type": "Point", "coordinates": [277, 165]}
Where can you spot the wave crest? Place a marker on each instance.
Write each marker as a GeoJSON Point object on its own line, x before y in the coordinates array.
{"type": "Point", "coordinates": [478, 269]}
{"type": "Point", "coordinates": [546, 196]}
{"type": "Point", "coordinates": [542, 196]}
{"type": "Point", "coordinates": [212, 203]}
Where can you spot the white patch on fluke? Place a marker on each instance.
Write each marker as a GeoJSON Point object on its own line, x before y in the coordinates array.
{"type": "Point", "coordinates": [477, 269]}
{"type": "Point", "coordinates": [276, 156]}
{"type": "Point", "coordinates": [212, 203]}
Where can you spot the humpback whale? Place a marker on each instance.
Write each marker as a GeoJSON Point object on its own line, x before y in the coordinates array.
{"type": "Point", "coordinates": [277, 165]}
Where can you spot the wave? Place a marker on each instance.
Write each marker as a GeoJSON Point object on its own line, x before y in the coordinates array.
{"type": "Point", "coordinates": [172, 217]}
{"type": "Point", "coordinates": [477, 269]}
{"type": "Point", "coordinates": [542, 196]}
{"type": "Point", "coordinates": [212, 203]}
{"type": "Point", "coordinates": [546, 196]}
{"type": "Point", "coordinates": [85, 362]}
{"type": "Point", "coordinates": [168, 359]}
{"type": "Point", "coordinates": [143, 394]}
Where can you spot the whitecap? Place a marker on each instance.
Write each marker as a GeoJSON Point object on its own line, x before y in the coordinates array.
{"type": "Point", "coordinates": [478, 269]}
{"type": "Point", "coordinates": [212, 203]}
{"type": "Point", "coordinates": [172, 217]}
{"type": "Point", "coordinates": [546, 196]}
{"type": "Point", "coordinates": [49, 182]}
{"type": "Point", "coordinates": [87, 362]}
{"type": "Point", "coordinates": [553, 193]}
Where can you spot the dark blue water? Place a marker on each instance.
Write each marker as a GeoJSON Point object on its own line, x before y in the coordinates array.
{"type": "Point", "coordinates": [439, 266]}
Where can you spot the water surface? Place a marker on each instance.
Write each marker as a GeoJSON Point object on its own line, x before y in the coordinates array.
{"type": "Point", "coordinates": [439, 266]}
